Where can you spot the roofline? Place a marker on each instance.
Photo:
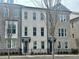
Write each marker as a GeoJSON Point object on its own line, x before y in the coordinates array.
{"type": "Point", "coordinates": [74, 19]}
{"type": "Point", "coordinates": [22, 6]}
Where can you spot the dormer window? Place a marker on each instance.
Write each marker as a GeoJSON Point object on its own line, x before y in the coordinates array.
{"type": "Point", "coordinates": [62, 18]}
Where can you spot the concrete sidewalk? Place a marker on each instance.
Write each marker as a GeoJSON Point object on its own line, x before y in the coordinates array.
{"type": "Point", "coordinates": [37, 55]}
{"type": "Point", "coordinates": [41, 57]}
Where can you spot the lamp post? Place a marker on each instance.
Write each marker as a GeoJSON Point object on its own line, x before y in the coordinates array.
{"type": "Point", "coordinates": [9, 33]}
{"type": "Point", "coordinates": [53, 40]}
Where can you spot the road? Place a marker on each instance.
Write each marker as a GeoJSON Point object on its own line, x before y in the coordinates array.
{"type": "Point", "coordinates": [42, 57]}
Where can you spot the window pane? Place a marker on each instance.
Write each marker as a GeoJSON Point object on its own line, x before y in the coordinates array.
{"type": "Point", "coordinates": [62, 32]}
{"type": "Point", "coordinates": [66, 45]}
{"type": "Point", "coordinates": [25, 15]}
{"type": "Point", "coordinates": [42, 16]}
{"type": "Point", "coordinates": [25, 31]}
{"type": "Point", "coordinates": [34, 31]}
{"type": "Point", "coordinates": [35, 45]}
{"type": "Point", "coordinates": [59, 32]}
{"type": "Point", "coordinates": [42, 31]}
{"type": "Point", "coordinates": [13, 31]}
{"type": "Point", "coordinates": [5, 11]}
{"type": "Point", "coordinates": [42, 45]}
{"type": "Point", "coordinates": [65, 32]}
{"type": "Point", "coordinates": [8, 31]}
{"type": "Point", "coordinates": [34, 16]}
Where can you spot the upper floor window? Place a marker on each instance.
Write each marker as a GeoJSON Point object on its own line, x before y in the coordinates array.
{"type": "Point", "coordinates": [11, 28]}
{"type": "Point", "coordinates": [34, 31]}
{"type": "Point", "coordinates": [42, 44]}
{"type": "Point", "coordinates": [72, 25]}
{"type": "Point", "coordinates": [25, 31]}
{"type": "Point", "coordinates": [42, 16]}
{"type": "Point", "coordinates": [65, 32]}
{"type": "Point", "coordinates": [42, 31]}
{"type": "Point", "coordinates": [16, 12]}
{"type": "Point", "coordinates": [73, 35]}
{"type": "Point", "coordinates": [34, 16]}
{"type": "Point", "coordinates": [62, 32]}
{"type": "Point", "coordinates": [35, 45]}
{"type": "Point", "coordinates": [59, 30]}
{"type": "Point", "coordinates": [62, 18]}
{"type": "Point", "coordinates": [25, 15]}
{"type": "Point", "coordinates": [5, 11]}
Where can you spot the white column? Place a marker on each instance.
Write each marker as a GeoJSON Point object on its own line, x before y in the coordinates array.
{"type": "Point", "coordinates": [22, 46]}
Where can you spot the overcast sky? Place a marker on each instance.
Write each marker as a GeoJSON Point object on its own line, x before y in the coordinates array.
{"type": "Point", "coordinates": [73, 5]}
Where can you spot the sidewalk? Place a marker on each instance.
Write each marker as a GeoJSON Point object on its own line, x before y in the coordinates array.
{"type": "Point", "coordinates": [37, 55]}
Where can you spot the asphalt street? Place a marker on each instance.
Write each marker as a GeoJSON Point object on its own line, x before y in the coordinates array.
{"type": "Point", "coordinates": [42, 57]}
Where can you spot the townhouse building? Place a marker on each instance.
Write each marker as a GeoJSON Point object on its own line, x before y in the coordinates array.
{"type": "Point", "coordinates": [24, 29]}
{"type": "Point", "coordinates": [34, 29]}
{"type": "Point", "coordinates": [74, 23]}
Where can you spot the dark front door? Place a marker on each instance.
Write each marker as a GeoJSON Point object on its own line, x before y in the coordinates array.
{"type": "Point", "coordinates": [50, 47]}
{"type": "Point", "coordinates": [25, 47]}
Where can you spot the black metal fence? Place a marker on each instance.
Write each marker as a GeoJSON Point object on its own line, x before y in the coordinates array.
{"type": "Point", "coordinates": [11, 51]}
{"type": "Point", "coordinates": [39, 51]}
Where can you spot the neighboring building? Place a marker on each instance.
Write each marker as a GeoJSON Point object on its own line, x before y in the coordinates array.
{"type": "Point", "coordinates": [75, 32]}
{"type": "Point", "coordinates": [62, 29]}
{"type": "Point", "coordinates": [10, 24]}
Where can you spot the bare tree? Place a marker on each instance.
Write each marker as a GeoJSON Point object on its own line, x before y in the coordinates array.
{"type": "Point", "coordinates": [50, 28]}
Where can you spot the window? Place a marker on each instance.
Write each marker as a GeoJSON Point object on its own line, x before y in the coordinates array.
{"type": "Point", "coordinates": [73, 35]}
{"type": "Point", "coordinates": [66, 45]}
{"type": "Point", "coordinates": [59, 32]}
{"type": "Point", "coordinates": [34, 16]}
{"type": "Point", "coordinates": [42, 45]}
{"type": "Point", "coordinates": [11, 43]}
{"type": "Point", "coordinates": [42, 16]}
{"type": "Point", "coordinates": [62, 18]}
{"type": "Point", "coordinates": [35, 45]}
{"type": "Point", "coordinates": [10, 1]}
{"type": "Point", "coordinates": [72, 25]}
{"type": "Point", "coordinates": [59, 44]}
{"type": "Point", "coordinates": [16, 12]}
{"type": "Point", "coordinates": [11, 28]}
{"type": "Point", "coordinates": [25, 31]}
{"type": "Point", "coordinates": [5, 11]}
{"type": "Point", "coordinates": [42, 31]}
{"type": "Point", "coordinates": [65, 32]}
{"type": "Point", "coordinates": [62, 32]}
{"type": "Point", "coordinates": [25, 15]}
{"type": "Point", "coordinates": [8, 43]}
{"type": "Point", "coordinates": [34, 31]}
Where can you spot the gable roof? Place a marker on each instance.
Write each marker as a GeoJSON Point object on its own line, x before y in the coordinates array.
{"type": "Point", "coordinates": [74, 20]}
{"type": "Point", "coordinates": [60, 7]}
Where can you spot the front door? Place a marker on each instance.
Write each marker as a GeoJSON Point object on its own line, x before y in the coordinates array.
{"type": "Point", "coordinates": [25, 46]}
